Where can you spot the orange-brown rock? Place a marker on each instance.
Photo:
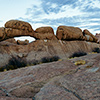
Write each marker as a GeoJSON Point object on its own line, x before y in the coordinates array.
{"type": "Point", "coordinates": [98, 37]}
{"type": "Point", "coordinates": [90, 36]}
{"type": "Point", "coordinates": [69, 33]}
{"type": "Point", "coordinates": [11, 40]}
{"type": "Point", "coordinates": [45, 33]}
{"type": "Point", "coordinates": [44, 30]}
{"type": "Point", "coordinates": [6, 33]}
{"type": "Point", "coordinates": [2, 32]}
{"type": "Point", "coordinates": [23, 42]}
{"type": "Point", "coordinates": [21, 25]}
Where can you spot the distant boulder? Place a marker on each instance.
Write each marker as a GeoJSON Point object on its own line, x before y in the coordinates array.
{"type": "Point", "coordinates": [22, 42]}
{"type": "Point", "coordinates": [21, 25]}
{"type": "Point", "coordinates": [69, 33]}
{"type": "Point", "coordinates": [89, 36]}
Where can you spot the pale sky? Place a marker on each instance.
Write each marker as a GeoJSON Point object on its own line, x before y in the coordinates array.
{"type": "Point", "coordinates": [84, 14]}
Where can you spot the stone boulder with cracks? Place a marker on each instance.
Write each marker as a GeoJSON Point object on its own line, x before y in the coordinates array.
{"type": "Point", "coordinates": [69, 33]}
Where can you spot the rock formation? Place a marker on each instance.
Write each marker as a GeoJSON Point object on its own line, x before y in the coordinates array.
{"type": "Point", "coordinates": [20, 25]}
{"type": "Point", "coordinates": [74, 79]}
{"type": "Point", "coordinates": [54, 81]}
{"type": "Point", "coordinates": [69, 33]}
{"type": "Point", "coordinates": [22, 42]}
{"type": "Point", "coordinates": [39, 49]}
{"type": "Point", "coordinates": [11, 40]}
{"type": "Point", "coordinates": [16, 28]}
{"type": "Point", "coordinates": [43, 33]}
{"type": "Point", "coordinates": [98, 37]}
{"type": "Point", "coordinates": [89, 36]}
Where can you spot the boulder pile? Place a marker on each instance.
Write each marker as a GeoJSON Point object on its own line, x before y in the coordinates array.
{"type": "Point", "coordinates": [15, 28]}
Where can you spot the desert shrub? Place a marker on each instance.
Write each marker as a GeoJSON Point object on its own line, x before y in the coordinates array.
{"type": "Point", "coordinates": [96, 50]}
{"type": "Point", "coordinates": [33, 62]}
{"type": "Point", "coordinates": [80, 62]}
{"type": "Point", "coordinates": [49, 59]}
{"type": "Point", "coordinates": [78, 54]}
{"type": "Point", "coordinates": [14, 63]}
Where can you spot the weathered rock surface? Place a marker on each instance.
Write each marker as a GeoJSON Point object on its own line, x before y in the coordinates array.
{"type": "Point", "coordinates": [44, 30]}
{"type": "Point", "coordinates": [55, 81]}
{"type": "Point", "coordinates": [16, 28]}
{"type": "Point", "coordinates": [89, 36]}
{"type": "Point", "coordinates": [13, 98]}
{"type": "Point", "coordinates": [98, 37]}
{"type": "Point", "coordinates": [20, 25]}
{"type": "Point", "coordinates": [26, 82]}
{"type": "Point", "coordinates": [69, 33]}
{"type": "Point", "coordinates": [6, 33]}
{"type": "Point", "coordinates": [11, 40]}
{"type": "Point", "coordinates": [22, 42]}
{"type": "Point", "coordinates": [82, 84]}
{"type": "Point", "coordinates": [43, 33]}
{"type": "Point", "coordinates": [41, 48]}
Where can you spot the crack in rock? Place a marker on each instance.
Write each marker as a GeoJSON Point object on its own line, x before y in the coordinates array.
{"type": "Point", "coordinates": [75, 94]}
{"type": "Point", "coordinates": [7, 94]}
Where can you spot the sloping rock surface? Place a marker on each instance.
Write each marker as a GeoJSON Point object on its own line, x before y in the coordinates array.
{"type": "Point", "coordinates": [41, 48]}
{"type": "Point", "coordinates": [62, 80]}
{"type": "Point", "coordinates": [82, 84]}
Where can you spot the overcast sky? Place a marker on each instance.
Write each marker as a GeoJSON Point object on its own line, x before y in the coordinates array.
{"type": "Point", "coordinates": [79, 13]}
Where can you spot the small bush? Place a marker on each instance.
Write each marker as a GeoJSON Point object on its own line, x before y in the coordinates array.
{"type": "Point", "coordinates": [17, 62]}
{"type": "Point", "coordinates": [78, 54]}
{"type": "Point", "coordinates": [96, 50]}
{"type": "Point", "coordinates": [14, 63]}
{"type": "Point", "coordinates": [33, 62]}
{"type": "Point", "coordinates": [80, 62]}
{"type": "Point", "coordinates": [49, 59]}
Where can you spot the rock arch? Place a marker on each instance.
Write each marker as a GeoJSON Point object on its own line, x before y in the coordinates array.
{"type": "Point", "coordinates": [16, 28]}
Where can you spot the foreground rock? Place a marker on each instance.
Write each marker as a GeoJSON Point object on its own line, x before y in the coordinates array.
{"type": "Point", "coordinates": [55, 81]}
{"type": "Point", "coordinates": [26, 82]}
{"type": "Point", "coordinates": [82, 84]}
{"type": "Point", "coordinates": [69, 33]}
{"type": "Point", "coordinates": [13, 98]}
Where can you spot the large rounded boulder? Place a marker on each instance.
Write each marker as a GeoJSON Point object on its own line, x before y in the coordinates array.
{"type": "Point", "coordinates": [69, 33]}
{"type": "Point", "coordinates": [21, 25]}
{"type": "Point", "coordinates": [42, 33]}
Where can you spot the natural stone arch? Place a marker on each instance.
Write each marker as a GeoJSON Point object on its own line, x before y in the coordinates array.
{"type": "Point", "coordinates": [16, 28]}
